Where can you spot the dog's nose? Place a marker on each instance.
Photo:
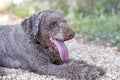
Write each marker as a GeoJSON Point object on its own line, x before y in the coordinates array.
{"type": "Point", "coordinates": [71, 35]}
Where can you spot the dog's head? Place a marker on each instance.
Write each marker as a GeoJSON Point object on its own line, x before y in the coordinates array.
{"type": "Point", "coordinates": [50, 29]}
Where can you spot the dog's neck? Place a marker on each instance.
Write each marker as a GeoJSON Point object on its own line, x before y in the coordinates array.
{"type": "Point", "coordinates": [49, 51]}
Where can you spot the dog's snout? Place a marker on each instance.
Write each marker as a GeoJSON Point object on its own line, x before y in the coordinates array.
{"type": "Point", "coordinates": [70, 35]}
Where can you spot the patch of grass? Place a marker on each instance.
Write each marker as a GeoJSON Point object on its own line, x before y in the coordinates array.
{"type": "Point", "coordinates": [103, 27]}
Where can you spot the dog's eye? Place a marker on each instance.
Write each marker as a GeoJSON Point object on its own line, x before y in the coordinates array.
{"type": "Point", "coordinates": [53, 24]}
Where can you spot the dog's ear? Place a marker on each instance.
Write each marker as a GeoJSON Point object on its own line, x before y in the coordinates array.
{"type": "Point", "coordinates": [30, 25]}
{"type": "Point", "coordinates": [35, 25]}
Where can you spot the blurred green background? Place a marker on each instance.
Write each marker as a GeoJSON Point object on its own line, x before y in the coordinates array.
{"type": "Point", "coordinates": [96, 19]}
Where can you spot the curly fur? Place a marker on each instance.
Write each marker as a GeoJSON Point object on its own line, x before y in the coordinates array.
{"type": "Point", "coordinates": [26, 46]}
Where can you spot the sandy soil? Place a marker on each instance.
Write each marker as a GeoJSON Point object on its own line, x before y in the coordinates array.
{"type": "Point", "coordinates": [100, 55]}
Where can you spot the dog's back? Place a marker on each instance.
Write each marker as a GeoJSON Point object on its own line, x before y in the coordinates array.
{"type": "Point", "coordinates": [9, 53]}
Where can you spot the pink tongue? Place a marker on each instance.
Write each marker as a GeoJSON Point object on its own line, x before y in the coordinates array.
{"type": "Point", "coordinates": [63, 51]}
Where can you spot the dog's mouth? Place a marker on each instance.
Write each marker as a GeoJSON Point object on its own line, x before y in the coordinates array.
{"type": "Point", "coordinates": [60, 47]}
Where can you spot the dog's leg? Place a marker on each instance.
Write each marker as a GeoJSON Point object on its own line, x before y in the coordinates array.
{"type": "Point", "coordinates": [76, 70]}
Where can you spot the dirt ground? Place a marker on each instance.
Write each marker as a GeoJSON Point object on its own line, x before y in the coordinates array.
{"type": "Point", "coordinates": [100, 55]}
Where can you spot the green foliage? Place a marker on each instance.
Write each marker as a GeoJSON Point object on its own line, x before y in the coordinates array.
{"type": "Point", "coordinates": [97, 19]}
{"type": "Point", "coordinates": [60, 4]}
{"type": "Point", "coordinates": [96, 7]}
{"type": "Point", "coordinates": [104, 27]}
{"type": "Point", "coordinates": [26, 8]}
